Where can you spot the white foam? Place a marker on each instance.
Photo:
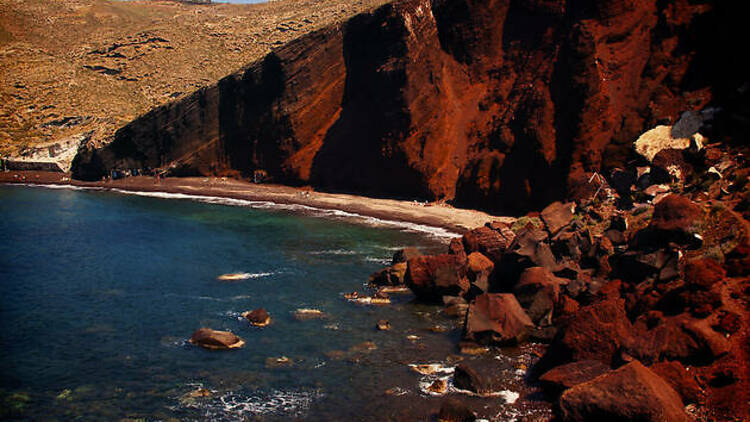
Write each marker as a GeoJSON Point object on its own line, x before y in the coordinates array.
{"type": "Point", "coordinates": [373, 221]}
{"type": "Point", "coordinates": [334, 252]}
{"type": "Point", "coordinates": [234, 406]}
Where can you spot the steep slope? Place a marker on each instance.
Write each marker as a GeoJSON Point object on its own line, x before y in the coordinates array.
{"type": "Point", "coordinates": [499, 105]}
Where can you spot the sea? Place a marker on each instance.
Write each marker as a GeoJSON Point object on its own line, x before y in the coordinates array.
{"type": "Point", "coordinates": [100, 292]}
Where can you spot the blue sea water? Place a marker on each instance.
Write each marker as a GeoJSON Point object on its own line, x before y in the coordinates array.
{"type": "Point", "coordinates": [99, 292]}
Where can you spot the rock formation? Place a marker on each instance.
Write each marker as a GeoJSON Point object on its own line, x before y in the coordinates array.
{"type": "Point", "coordinates": [494, 105]}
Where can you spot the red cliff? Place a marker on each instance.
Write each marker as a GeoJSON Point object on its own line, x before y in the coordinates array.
{"type": "Point", "coordinates": [498, 105]}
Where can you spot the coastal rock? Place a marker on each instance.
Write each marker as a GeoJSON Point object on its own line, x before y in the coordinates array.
{"type": "Point", "coordinates": [304, 314]}
{"type": "Point", "coordinates": [497, 318]}
{"type": "Point", "coordinates": [389, 276]}
{"type": "Point", "coordinates": [432, 277]}
{"type": "Point", "coordinates": [489, 242]}
{"type": "Point", "coordinates": [558, 215]}
{"type": "Point", "coordinates": [680, 379]}
{"type": "Point", "coordinates": [479, 375]}
{"type": "Point", "coordinates": [383, 325]}
{"type": "Point", "coordinates": [215, 340]}
{"type": "Point", "coordinates": [676, 219]}
{"type": "Point", "coordinates": [479, 270]}
{"type": "Point", "coordinates": [451, 410]}
{"type": "Point", "coordinates": [538, 291]}
{"type": "Point", "coordinates": [566, 376]}
{"type": "Point", "coordinates": [403, 255]}
{"type": "Point", "coordinates": [594, 332]}
{"type": "Point", "coordinates": [455, 306]}
{"type": "Point", "coordinates": [258, 317]}
{"type": "Point", "coordinates": [632, 392]}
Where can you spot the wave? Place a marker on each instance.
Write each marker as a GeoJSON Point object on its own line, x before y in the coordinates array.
{"type": "Point", "coordinates": [433, 231]}
{"type": "Point", "coordinates": [234, 406]}
{"type": "Point", "coordinates": [314, 211]}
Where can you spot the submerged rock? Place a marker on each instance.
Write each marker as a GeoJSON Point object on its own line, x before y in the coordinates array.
{"type": "Point", "coordinates": [383, 325]}
{"type": "Point", "coordinates": [258, 317]}
{"type": "Point", "coordinates": [452, 410]}
{"type": "Point", "coordinates": [215, 340]}
{"type": "Point", "coordinates": [304, 314]}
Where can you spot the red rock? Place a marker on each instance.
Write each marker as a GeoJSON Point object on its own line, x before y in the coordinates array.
{"type": "Point", "coordinates": [565, 376]}
{"type": "Point", "coordinates": [217, 340]}
{"type": "Point", "coordinates": [407, 84]}
{"type": "Point", "coordinates": [677, 217]}
{"type": "Point", "coordinates": [479, 269]}
{"type": "Point", "coordinates": [630, 393]}
{"type": "Point", "coordinates": [403, 255]}
{"type": "Point", "coordinates": [432, 277]}
{"type": "Point", "coordinates": [680, 379]}
{"type": "Point", "coordinates": [595, 332]}
{"type": "Point", "coordinates": [558, 215]}
{"type": "Point", "coordinates": [703, 273]}
{"type": "Point", "coordinates": [491, 243]}
{"type": "Point", "coordinates": [538, 291]}
{"type": "Point", "coordinates": [497, 318]}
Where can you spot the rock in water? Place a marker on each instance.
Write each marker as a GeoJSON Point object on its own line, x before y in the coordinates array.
{"type": "Point", "coordinates": [497, 318]}
{"type": "Point", "coordinates": [403, 255]}
{"type": "Point", "coordinates": [453, 411]}
{"type": "Point", "coordinates": [258, 317]}
{"type": "Point", "coordinates": [216, 340]}
{"type": "Point", "coordinates": [631, 393]}
{"type": "Point", "coordinates": [383, 325]}
{"type": "Point", "coordinates": [432, 277]}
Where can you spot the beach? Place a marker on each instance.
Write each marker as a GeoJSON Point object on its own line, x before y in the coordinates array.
{"type": "Point", "coordinates": [435, 215]}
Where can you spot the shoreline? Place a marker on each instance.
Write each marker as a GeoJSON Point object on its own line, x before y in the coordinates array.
{"type": "Point", "coordinates": [455, 220]}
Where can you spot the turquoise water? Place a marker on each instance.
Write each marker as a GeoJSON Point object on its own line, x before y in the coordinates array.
{"type": "Point", "coordinates": [99, 292]}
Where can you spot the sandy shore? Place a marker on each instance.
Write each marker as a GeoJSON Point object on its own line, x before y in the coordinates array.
{"type": "Point", "coordinates": [453, 219]}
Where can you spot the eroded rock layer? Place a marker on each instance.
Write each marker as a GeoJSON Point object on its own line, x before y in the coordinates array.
{"type": "Point", "coordinates": [499, 105]}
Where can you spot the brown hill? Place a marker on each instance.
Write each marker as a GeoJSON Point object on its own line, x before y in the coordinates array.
{"type": "Point", "coordinates": [84, 68]}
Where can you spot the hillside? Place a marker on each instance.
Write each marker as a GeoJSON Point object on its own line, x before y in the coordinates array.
{"type": "Point", "coordinates": [84, 68]}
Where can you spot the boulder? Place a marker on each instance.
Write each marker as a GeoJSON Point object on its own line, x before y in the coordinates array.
{"type": "Point", "coordinates": [389, 276]}
{"type": "Point", "coordinates": [703, 273]}
{"type": "Point", "coordinates": [491, 243]}
{"type": "Point", "coordinates": [659, 138]}
{"type": "Point", "coordinates": [479, 270]}
{"type": "Point", "coordinates": [479, 375]}
{"type": "Point", "coordinates": [630, 393]}
{"type": "Point", "coordinates": [680, 379]}
{"type": "Point", "coordinates": [561, 378]}
{"type": "Point", "coordinates": [497, 318]}
{"type": "Point", "coordinates": [215, 340]}
{"type": "Point", "coordinates": [531, 248]}
{"type": "Point", "coordinates": [432, 277]}
{"type": "Point", "coordinates": [558, 215]}
{"type": "Point", "coordinates": [669, 165]}
{"type": "Point", "coordinates": [682, 338]}
{"type": "Point", "coordinates": [451, 410]}
{"type": "Point", "coordinates": [258, 317]}
{"type": "Point", "coordinates": [594, 332]}
{"type": "Point", "coordinates": [403, 255]}
{"type": "Point", "coordinates": [538, 291]}
{"type": "Point", "coordinates": [676, 219]}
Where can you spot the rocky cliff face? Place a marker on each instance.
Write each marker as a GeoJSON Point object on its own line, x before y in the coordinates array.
{"type": "Point", "coordinates": [499, 105]}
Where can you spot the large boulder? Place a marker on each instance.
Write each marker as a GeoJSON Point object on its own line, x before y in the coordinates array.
{"type": "Point", "coordinates": [432, 277]}
{"type": "Point", "coordinates": [215, 340]}
{"type": "Point", "coordinates": [630, 393]}
{"type": "Point", "coordinates": [595, 332]}
{"type": "Point", "coordinates": [566, 376]}
{"type": "Point", "coordinates": [538, 291]}
{"type": "Point", "coordinates": [497, 318]}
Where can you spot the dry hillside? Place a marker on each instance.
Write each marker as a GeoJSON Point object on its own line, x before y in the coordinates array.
{"type": "Point", "coordinates": [80, 69]}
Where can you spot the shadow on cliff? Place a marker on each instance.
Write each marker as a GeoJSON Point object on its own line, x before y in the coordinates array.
{"type": "Point", "coordinates": [361, 152]}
